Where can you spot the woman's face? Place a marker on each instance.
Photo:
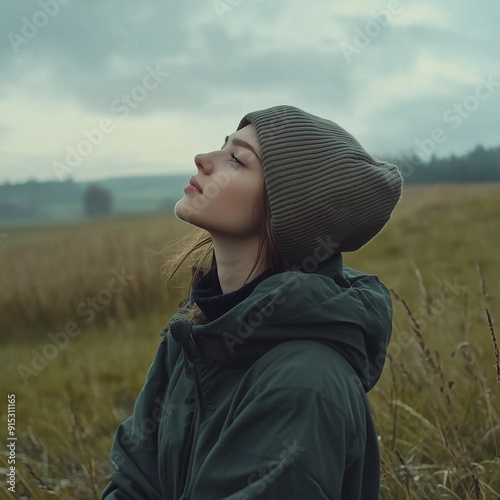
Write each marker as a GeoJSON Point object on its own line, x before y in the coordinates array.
{"type": "Point", "coordinates": [230, 179]}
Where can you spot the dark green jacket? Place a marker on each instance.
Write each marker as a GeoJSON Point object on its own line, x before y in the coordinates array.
{"type": "Point", "coordinates": [268, 401]}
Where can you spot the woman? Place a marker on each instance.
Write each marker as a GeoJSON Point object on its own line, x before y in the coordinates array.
{"type": "Point", "coordinates": [258, 386]}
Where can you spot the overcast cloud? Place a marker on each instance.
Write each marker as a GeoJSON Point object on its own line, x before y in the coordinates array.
{"type": "Point", "coordinates": [93, 89]}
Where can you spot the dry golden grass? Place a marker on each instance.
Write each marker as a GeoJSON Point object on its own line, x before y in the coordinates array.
{"type": "Point", "coordinates": [436, 407]}
{"type": "Point", "coordinates": [48, 272]}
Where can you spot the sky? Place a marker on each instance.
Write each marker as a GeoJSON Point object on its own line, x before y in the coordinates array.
{"type": "Point", "coordinates": [97, 89]}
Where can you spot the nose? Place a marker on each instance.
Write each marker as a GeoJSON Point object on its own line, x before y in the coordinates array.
{"type": "Point", "coordinates": [202, 160]}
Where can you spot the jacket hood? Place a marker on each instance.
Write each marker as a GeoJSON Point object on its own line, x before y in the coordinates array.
{"type": "Point", "coordinates": [340, 307]}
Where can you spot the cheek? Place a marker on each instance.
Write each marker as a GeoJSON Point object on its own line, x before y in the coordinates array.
{"type": "Point", "coordinates": [237, 196]}
{"type": "Point", "coordinates": [241, 193]}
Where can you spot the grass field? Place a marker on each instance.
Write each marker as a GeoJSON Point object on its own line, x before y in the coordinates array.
{"type": "Point", "coordinates": [436, 407]}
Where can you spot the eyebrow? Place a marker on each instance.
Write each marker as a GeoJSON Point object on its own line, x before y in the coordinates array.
{"type": "Point", "coordinates": [243, 144]}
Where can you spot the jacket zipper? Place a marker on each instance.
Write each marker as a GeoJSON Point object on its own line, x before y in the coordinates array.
{"type": "Point", "coordinates": [190, 358]}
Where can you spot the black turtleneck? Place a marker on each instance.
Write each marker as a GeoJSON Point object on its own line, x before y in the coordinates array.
{"type": "Point", "coordinates": [207, 293]}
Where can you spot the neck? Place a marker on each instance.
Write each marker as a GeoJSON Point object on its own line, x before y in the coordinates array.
{"type": "Point", "coordinates": [235, 258]}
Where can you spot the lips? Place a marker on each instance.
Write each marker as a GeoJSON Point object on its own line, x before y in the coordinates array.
{"type": "Point", "coordinates": [196, 184]}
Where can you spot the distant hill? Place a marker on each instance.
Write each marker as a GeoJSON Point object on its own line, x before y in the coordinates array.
{"type": "Point", "coordinates": [54, 202]}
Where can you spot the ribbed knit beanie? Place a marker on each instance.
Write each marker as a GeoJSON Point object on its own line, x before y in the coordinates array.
{"type": "Point", "coordinates": [324, 189]}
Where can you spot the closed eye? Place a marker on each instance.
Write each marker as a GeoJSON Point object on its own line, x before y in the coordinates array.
{"type": "Point", "coordinates": [236, 159]}
{"type": "Point", "coordinates": [243, 144]}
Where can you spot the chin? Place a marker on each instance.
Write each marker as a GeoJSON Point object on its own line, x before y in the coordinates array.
{"type": "Point", "coordinates": [180, 212]}
{"type": "Point", "coordinates": [185, 213]}
{"type": "Point", "coordinates": [176, 211]}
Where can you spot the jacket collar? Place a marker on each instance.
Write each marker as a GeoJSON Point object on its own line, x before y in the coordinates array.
{"type": "Point", "coordinates": [344, 309]}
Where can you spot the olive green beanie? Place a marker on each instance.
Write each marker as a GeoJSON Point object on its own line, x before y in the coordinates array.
{"type": "Point", "coordinates": [324, 189]}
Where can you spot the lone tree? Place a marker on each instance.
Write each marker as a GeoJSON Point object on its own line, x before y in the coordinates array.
{"type": "Point", "coordinates": [97, 201]}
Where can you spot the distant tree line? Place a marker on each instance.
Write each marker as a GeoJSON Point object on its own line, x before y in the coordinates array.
{"type": "Point", "coordinates": [29, 199]}
{"type": "Point", "coordinates": [480, 165]}
{"type": "Point", "coordinates": [41, 192]}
